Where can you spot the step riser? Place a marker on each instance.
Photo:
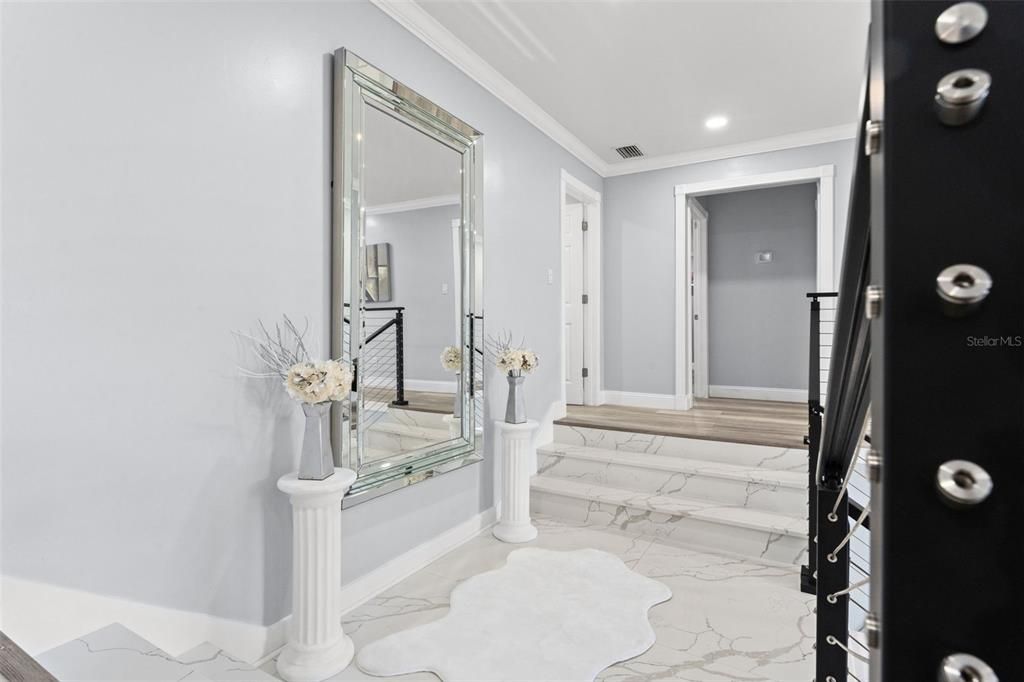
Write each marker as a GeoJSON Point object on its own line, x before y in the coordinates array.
{"type": "Point", "coordinates": [784, 459]}
{"type": "Point", "coordinates": [752, 495]}
{"type": "Point", "coordinates": [685, 531]}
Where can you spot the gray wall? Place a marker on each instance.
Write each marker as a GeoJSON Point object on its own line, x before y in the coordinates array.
{"type": "Point", "coordinates": [165, 182]}
{"type": "Point", "coordinates": [638, 236]}
{"type": "Point", "coordinates": [757, 313]}
{"type": "Point", "coordinates": [421, 260]}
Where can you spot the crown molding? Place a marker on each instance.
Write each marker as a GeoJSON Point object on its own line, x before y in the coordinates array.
{"type": "Point", "coordinates": [414, 204]}
{"type": "Point", "coordinates": [768, 144]}
{"type": "Point", "coordinates": [425, 27]}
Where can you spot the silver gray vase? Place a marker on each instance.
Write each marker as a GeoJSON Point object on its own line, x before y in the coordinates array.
{"type": "Point", "coordinates": [457, 406]}
{"type": "Point", "coordinates": [317, 461]}
{"type": "Point", "coordinates": [515, 409]}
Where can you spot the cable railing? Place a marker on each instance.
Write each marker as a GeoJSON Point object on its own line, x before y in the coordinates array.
{"type": "Point", "coordinates": [839, 505]}
{"type": "Point", "coordinates": [380, 367]}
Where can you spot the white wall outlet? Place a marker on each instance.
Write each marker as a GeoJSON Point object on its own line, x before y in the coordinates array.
{"type": "Point", "coordinates": [763, 257]}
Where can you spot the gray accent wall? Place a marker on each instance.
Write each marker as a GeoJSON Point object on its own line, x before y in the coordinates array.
{"type": "Point", "coordinates": [638, 256]}
{"type": "Point", "coordinates": [166, 181]}
{"type": "Point", "coordinates": [421, 261]}
{"type": "Point", "coordinates": [757, 312]}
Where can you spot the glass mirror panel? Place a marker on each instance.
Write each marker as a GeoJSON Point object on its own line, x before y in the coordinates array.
{"type": "Point", "coordinates": [407, 282]}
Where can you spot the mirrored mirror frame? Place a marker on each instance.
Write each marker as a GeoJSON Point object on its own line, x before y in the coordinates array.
{"type": "Point", "coordinates": [358, 83]}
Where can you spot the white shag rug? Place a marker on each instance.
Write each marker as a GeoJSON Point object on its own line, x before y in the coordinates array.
{"type": "Point", "coordinates": [544, 615]}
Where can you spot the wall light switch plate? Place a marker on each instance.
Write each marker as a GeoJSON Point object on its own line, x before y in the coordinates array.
{"type": "Point", "coordinates": [763, 257]}
{"type": "Point", "coordinates": [444, 288]}
{"type": "Point", "coordinates": [551, 276]}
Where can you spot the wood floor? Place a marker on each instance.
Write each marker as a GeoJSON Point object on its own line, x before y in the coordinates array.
{"type": "Point", "coordinates": [425, 401]}
{"type": "Point", "coordinates": [759, 422]}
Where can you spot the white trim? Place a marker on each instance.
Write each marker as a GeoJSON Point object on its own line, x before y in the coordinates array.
{"type": "Point", "coordinates": [658, 401]}
{"type": "Point", "coordinates": [788, 395]}
{"type": "Point", "coordinates": [430, 386]}
{"type": "Point", "coordinates": [425, 27]}
{"type": "Point", "coordinates": [767, 144]}
{"type": "Point", "coordinates": [592, 285]}
{"type": "Point", "coordinates": [823, 176]}
{"type": "Point", "coordinates": [415, 204]}
{"type": "Point", "coordinates": [40, 616]}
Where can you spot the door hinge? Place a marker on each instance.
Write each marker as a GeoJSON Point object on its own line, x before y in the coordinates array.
{"type": "Point", "coordinates": [586, 372]}
{"type": "Point", "coordinates": [586, 299]}
{"type": "Point", "coordinates": [586, 226]}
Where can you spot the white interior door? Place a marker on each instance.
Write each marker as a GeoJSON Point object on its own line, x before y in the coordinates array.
{"type": "Point", "coordinates": [699, 303]}
{"type": "Point", "coordinates": [572, 299]}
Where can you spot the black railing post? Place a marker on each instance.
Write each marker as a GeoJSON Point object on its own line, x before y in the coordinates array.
{"type": "Point", "coordinates": [399, 359]}
{"type": "Point", "coordinates": [833, 613]}
{"type": "Point", "coordinates": [808, 573]}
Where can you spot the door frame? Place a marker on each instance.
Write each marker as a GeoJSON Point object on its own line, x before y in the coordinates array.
{"type": "Point", "coordinates": [591, 200]}
{"type": "Point", "coordinates": [701, 386]}
{"type": "Point", "coordinates": [824, 179]}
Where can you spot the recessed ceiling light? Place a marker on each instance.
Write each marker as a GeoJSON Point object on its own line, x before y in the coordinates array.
{"type": "Point", "coordinates": [716, 122]}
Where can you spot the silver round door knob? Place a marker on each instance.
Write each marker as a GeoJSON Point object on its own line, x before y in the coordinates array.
{"type": "Point", "coordinates": [963, 483]}
{"type": "Point", "coordinates": [962, 288]}
{"type": "Point", "coordinates": [965, 668]}
{"type": "Point", "coordinates": [961, 22]}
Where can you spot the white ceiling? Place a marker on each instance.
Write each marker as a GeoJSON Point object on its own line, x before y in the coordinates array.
{"type": "Point", "coordinates": [619, 72]}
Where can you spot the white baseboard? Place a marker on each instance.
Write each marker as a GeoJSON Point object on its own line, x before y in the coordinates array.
{"type": "Point", "coordinates": [788, 395]}
{"type": "Point", "coordinates": [40, 616]}
{"type": "Point", "coordinates": [430, 386]}
{"type": "Point", "coordinates": [658, 401]}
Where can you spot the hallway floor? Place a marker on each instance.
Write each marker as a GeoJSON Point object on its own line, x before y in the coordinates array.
{"type": "Point", "coordinates": [759, 422]}
{"type": "Point", "coordinates": [728, 619]}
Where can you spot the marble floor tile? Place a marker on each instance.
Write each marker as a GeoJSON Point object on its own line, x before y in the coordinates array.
{"type": "Point", "coordinates": [729, 619]}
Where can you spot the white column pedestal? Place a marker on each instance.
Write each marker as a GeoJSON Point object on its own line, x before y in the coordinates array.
{"type": "Point", "coordinates": [516, 461]}
{"type": "Point", "coordinates": [317, 647]}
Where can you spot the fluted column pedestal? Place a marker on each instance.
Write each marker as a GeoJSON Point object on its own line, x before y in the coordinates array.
{"type": "Point", "coordinates": [317, 647]}
{"type": "Point", "coordinates": [517, 457]}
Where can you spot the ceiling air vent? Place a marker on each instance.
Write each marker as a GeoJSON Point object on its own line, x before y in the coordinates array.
{"type": "Point", "coordinates": [630, 151]}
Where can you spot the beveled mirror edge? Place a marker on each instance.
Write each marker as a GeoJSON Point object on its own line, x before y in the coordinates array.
{"type": "Point", "coordinates": [349, 71]}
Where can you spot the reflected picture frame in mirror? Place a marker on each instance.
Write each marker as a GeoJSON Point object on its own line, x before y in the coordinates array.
{"type": "Point", "coordinates": [359, 87]}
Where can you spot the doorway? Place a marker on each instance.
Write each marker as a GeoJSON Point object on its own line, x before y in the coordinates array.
{"type": "Point", "coordinates": [580, 291]}
{"type": "Point", "coordinates": [693, 342]}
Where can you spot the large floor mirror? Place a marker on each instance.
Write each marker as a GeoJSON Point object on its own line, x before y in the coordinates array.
{"type": "Point", "coordinates": [407, 282]}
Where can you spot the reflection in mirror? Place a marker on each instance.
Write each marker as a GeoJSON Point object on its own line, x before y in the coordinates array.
{"type": "Point", "coordinates": [407, 282]}
{"type": "Point", "coordinates": [412, 186]}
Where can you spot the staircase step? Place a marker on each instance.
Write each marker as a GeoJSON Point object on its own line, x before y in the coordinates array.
{"type": "Point", "coordinates": [768, 536]}
{"type": "Point", "coordinates": [213, 662]}
{"type": "Point", "coordinates": [114, 654]}
{"type": "Point", "coordinates": [725, 484]}
{"type": "Point", "coordinates": [741, 454]}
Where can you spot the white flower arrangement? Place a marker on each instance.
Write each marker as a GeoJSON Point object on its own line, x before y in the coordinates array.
{"type": "Point", "coordinates": [451, 358]}
{"type": "Point", "coordinates": [318, 382]}
{"type": "Point", "coordinates": [511, 360]}
{"type": "Point", "coordinates": [283, 353]}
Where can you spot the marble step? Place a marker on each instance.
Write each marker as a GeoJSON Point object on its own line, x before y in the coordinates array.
{"type": "Point", "coordinates": [741, 454]}
{"type": "Point", "coordinates": [771, 490]}
{"type": "Point", "coordinates": [116, 654]}
{"type": "Point", "coordinates": [767, 536]}
{"type": "Point", "coordinates": [216, 664]}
